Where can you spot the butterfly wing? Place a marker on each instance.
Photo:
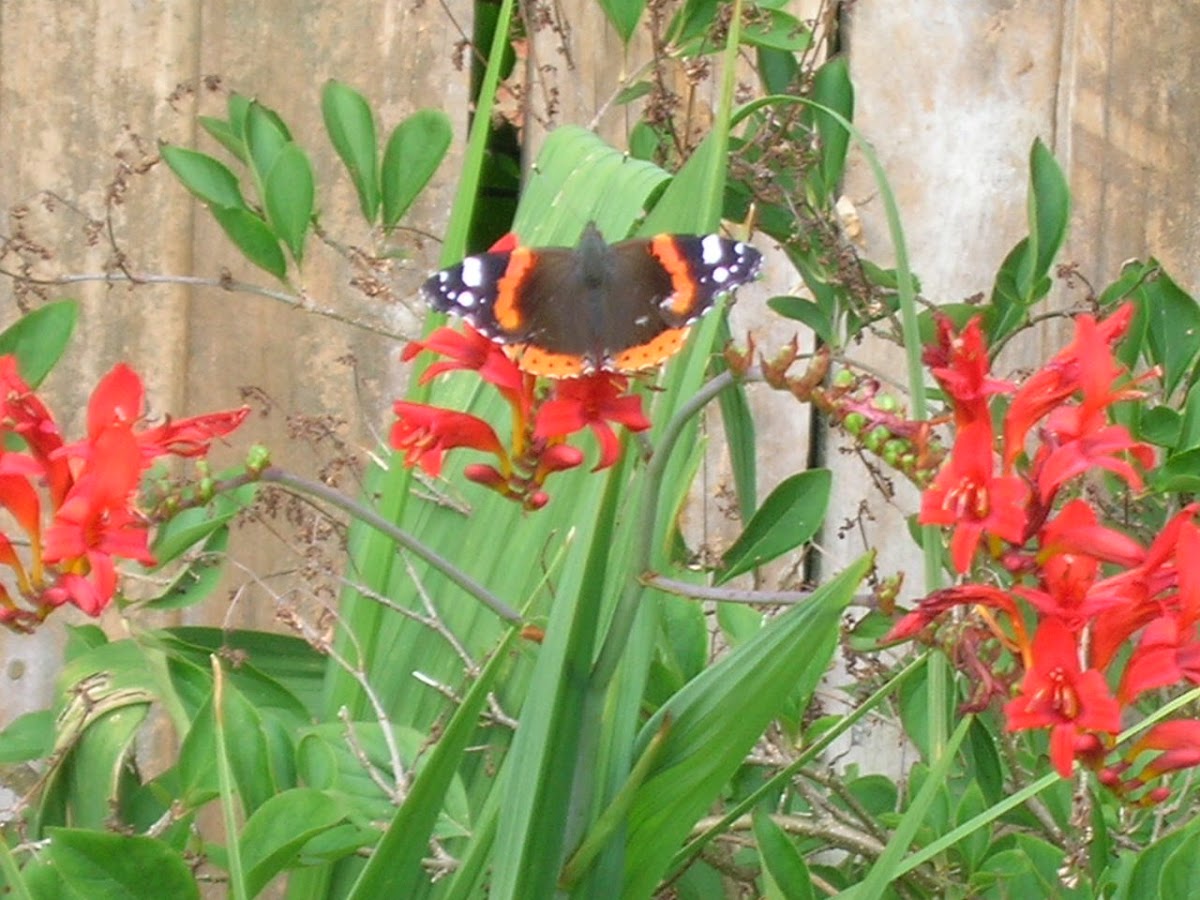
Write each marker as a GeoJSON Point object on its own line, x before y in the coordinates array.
{"type": "Point", "coordinates": [664, 284]}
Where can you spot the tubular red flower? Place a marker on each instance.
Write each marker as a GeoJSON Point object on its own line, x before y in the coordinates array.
{"type": "Point", "coordinates": [1179, 743]}
{"type": "Point", "coordinates": [967, 495]}
{"type": "Point", "coordinates": [1087, 361]}
{"type": "Point", "coordinates": [1058, 694]}
{"type": "Point", "coordinates": [592, 402]}
{"type": "Point", "coordinates": [424, 434]}
{"type": "Point", "coordinates": [960, 364]}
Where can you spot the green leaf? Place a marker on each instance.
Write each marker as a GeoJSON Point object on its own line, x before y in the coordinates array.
{"type": "Point", "coordinates": [624, 15]}
{"type": "Point", "coordinates": [254, 237]}
{"type": "Point", "coordinates": [784, 872]}
{"type": "Point", "coordinates": [413, 154]}
{"type": "Point", "coordinates": [351, 128]}
{"type": "Point", "coordinates": [833, 90]}
{"type": "Point", "coordinates": [789, 517]}
{"type": "Point", "coordinates": [38, 339]}
{"type": "Point", "coordinates": [394, 869]}
{"type": "Point", "coordinates": [777, 69]}
{"type": "Point", "coordinates": [272, 837]}
{"type": "Point", "coordinates": [1049, 212]}
{"type": "Point", "coordinates": [226, 135]}
{"type": "Point", "coordinates": [1146, 876]}
{"type": "Point", "coordinates": [191, 526]}
{"type": "Point", "coordinates": [208, 179]}
{"type": "Point", "coordinates": [777, 30]}
{"type": "Point", "coordinates": [1179, 474]}
{"type": "Point", "coordinates": [29, 736]}
{"type": "Point", "coordinates": [717, 717]}
{"type": "Point", "coordinates": [634, 91]}
{"type": "Point", "coordinates": [1159, 425]}
{"type": "Point", "coordinates": [265, 137]}
{"type": "Point", "coordinates": [288, 199]}
{"type": "Point", "coordinates": [806, 312]}
{"type": "Point", "coordinates": [199, 579]}
{"type": "Point", "coordinates": [100, 763]}
{"type": "Point", "coordinates": [98, 865]}
{"type": "Point", "coordinates": [1173, 328]}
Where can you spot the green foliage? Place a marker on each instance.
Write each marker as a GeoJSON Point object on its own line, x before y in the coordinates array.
{"type": "Point", "coordinates": [601, 751]}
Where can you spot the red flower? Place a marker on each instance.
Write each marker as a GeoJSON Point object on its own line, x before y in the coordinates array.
{"type": "Point", "coordinates": [115, 409]}
{"type": "Point", "coordinates": [967, 495]}
{"type": "Point", "coordinates": [592, 401]}
{"type": "Point", "coordinates": [1073, 545]}
{"type": "Point", "coordinates": [91, 486]}
{"type": "Point", "coordinates": [1179, 742]}
{"type": "Point", "coordinates": [941, 601]}
{"type": "Point", "coordinates": [1058, 694]}
{"type": "Point", "coordinates": [960, 364]}
{"type": "Point", "coordinates": [1088, 359]}
{"type": "Point", "coordinates": [424, 433]}
{"type": "Point", "coordinates": [469, 350]}
{"type": "Point", "coordinates": [1167, 654]}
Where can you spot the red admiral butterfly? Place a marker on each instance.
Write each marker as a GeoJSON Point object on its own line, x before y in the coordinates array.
{"type": "Point", "coordinates": [566, 312]}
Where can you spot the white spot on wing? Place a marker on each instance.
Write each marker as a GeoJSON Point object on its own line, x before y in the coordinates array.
{"type": "Point", "coordinates": [472, 272]}
{"type": "Point", "coordinates": [720, 275]}
{"type": "Point", "coordinates": [712, 250]}
{"type": "Point", "coordinates": [466, 298]}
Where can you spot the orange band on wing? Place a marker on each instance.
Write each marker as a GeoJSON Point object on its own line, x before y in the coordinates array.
{"type": "Point", "coordinates": [507, 312]}
{"type": "Point", "coordinates": [683, 300]}
{"type": "Point", "coordinates": [652, 353]}
{"type": "Point", "coordinates": [537, 361]}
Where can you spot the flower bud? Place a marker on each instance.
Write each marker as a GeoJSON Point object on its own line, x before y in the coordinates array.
{"type": "Point", "coordinates": [488, 476]}
{"type": "Point", "coordinates": [854, 423]}
{"type": "Point", "coordinates": [876, 438]}
{"type": "Point", "coordinates": [558, 457]}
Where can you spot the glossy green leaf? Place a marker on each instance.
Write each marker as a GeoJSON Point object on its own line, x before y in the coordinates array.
{"type": "Point", "coordinates": [265, 137]}
{"type": "Point", "coordinates": [254, 237]}
{"type": "Point", "coordinates": [199, 579]}
{"type": "Point", "coordinates": [789, 517]}
{"type": "Point", "coordinates": [634, 91]}
{"type": "Point", "coordinates": [1180, 473]}
{"type": "Point", "coordinates": [739, 622]}
{"type": "Point", "coordinates": [806, 312]}
{"type": "Point", "coordinates": [414, 152]}
{"type": "Point", "coordinates": [189, 527]}
{"type": "Point", "coordinates": [100, 762]}
{"type": "Point", "coordinates": [833, 90]}
{"type": "Point", "coordinates": [1049, 213]}
{"type": "Point", "coordinates": [100, 865]}
{"type": "Point", "coordinates": [225, 134]}
{"type": "Point", "coordinates": [624, 15]}
{"type": "Point", "coordinates": [29, 736]}
{"type": "Point", "coordinates": [785, 875]}
{"type": "Point", "coordinates": [221, 750]}
{"type": "Point", "coordinates": [1173, 328]}
{"type": "Point", "coordinates": [777, 30]}
{"type": "Point", "coordinates": [777, 69]}
{"type": "Point", "coordinates": [289, 191]}
{"type": "Point", "coordinates": [38, 339]}
{"type": "Point", "coordinates": [394, 870]}
{"type": "Point", "coordinates": [209, 179]}
{"type": "Point", "coordinates": [327, 760]}
{"type": "Point", "coordinates": [1159, 425]}
{"type": "Point", "coordinates": [1145, 877]}
{"type": "Point", "coordinates": [272, 838]}
{"type": "Point", "coordinates": [351, 127]}
{"type": "Point", "coordinates": [716, 719]}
